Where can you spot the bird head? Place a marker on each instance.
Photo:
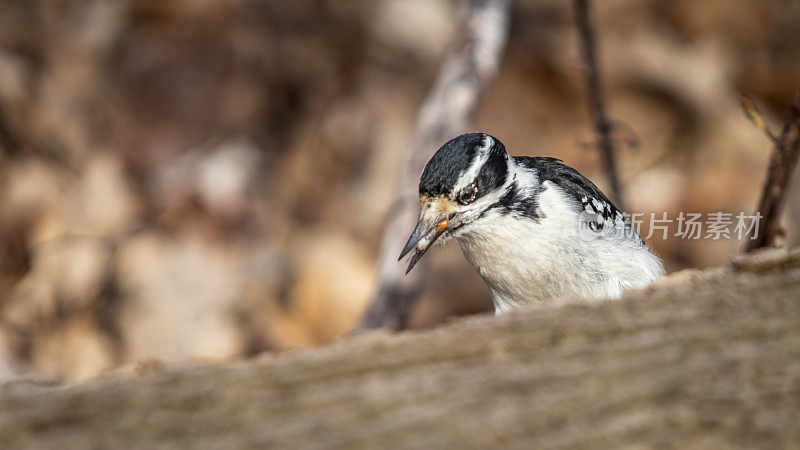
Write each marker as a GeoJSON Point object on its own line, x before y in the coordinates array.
{"type": "Point", "coordinates": [462, 180]}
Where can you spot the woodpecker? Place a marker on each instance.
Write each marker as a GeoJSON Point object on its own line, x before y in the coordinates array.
{"type": "Point", "coordinates": [534, 228]}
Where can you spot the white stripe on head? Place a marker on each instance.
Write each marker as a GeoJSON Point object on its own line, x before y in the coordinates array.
{"type": "Point", "coordinates": [467, 176]}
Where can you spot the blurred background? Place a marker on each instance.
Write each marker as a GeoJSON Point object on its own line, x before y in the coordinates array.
{"type": "Point", "coordinates": [207, 180]}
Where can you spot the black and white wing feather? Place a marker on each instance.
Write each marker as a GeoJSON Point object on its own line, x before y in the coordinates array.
{"type": "Point", "coordinates": [603, 215]}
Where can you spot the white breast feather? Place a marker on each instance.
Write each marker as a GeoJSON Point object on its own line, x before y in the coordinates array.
{"type": "Point", "coordinates": [524, 261]}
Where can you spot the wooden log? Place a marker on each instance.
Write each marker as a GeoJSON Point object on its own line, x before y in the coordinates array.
{"type": "Point", "coordinates": [704, 359]}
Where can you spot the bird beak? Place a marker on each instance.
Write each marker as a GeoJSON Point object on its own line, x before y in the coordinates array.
{"type": "Point", "coordinates": [421, 240]}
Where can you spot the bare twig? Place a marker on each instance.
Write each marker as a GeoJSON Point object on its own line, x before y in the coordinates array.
{"type": "Point", "coordinates": [446, 112]}
{"type": "Point", "coordinates": [596, 99]}
{"type": "Point", "coordinates": [753, 114]}
{"type": "Point", "coordinates": [781, 166]}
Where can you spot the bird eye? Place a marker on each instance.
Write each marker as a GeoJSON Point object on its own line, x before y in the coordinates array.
{"type": "Point", "coordinates": [468, 194]}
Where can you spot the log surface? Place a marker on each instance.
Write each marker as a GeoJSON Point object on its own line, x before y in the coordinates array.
{"type": "Point", "coordinates": [703, 359]}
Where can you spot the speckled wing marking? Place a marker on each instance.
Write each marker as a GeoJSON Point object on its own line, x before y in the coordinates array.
{"type": "Point", "coordinates": [602, 215]}
{"type": "Point", "coordinates": [600, 207]}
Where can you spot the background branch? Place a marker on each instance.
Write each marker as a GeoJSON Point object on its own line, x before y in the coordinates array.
{"type": "Point", "coordinates": [596, 99]}
{"type": "Point", "coordinates": [781, 166]}
{"type": "Point", "coordinates": [445, 113]}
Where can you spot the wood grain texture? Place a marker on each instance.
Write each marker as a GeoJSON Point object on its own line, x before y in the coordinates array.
{"type": "Point", "coordinates": [704, 359]}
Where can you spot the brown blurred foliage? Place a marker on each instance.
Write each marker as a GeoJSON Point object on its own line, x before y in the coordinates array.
{"type": "Point", "coordinates": [208, 179]}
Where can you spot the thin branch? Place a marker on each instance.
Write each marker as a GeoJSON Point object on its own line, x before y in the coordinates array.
{"type": "Point", "coordinates": [596, 99]}
{"type": "Point", "coordinates": [446, 112]}
{"type": "Point", "coordinates": [753, 114]}
{"type": "Point", "coordinates": [781, 166]}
